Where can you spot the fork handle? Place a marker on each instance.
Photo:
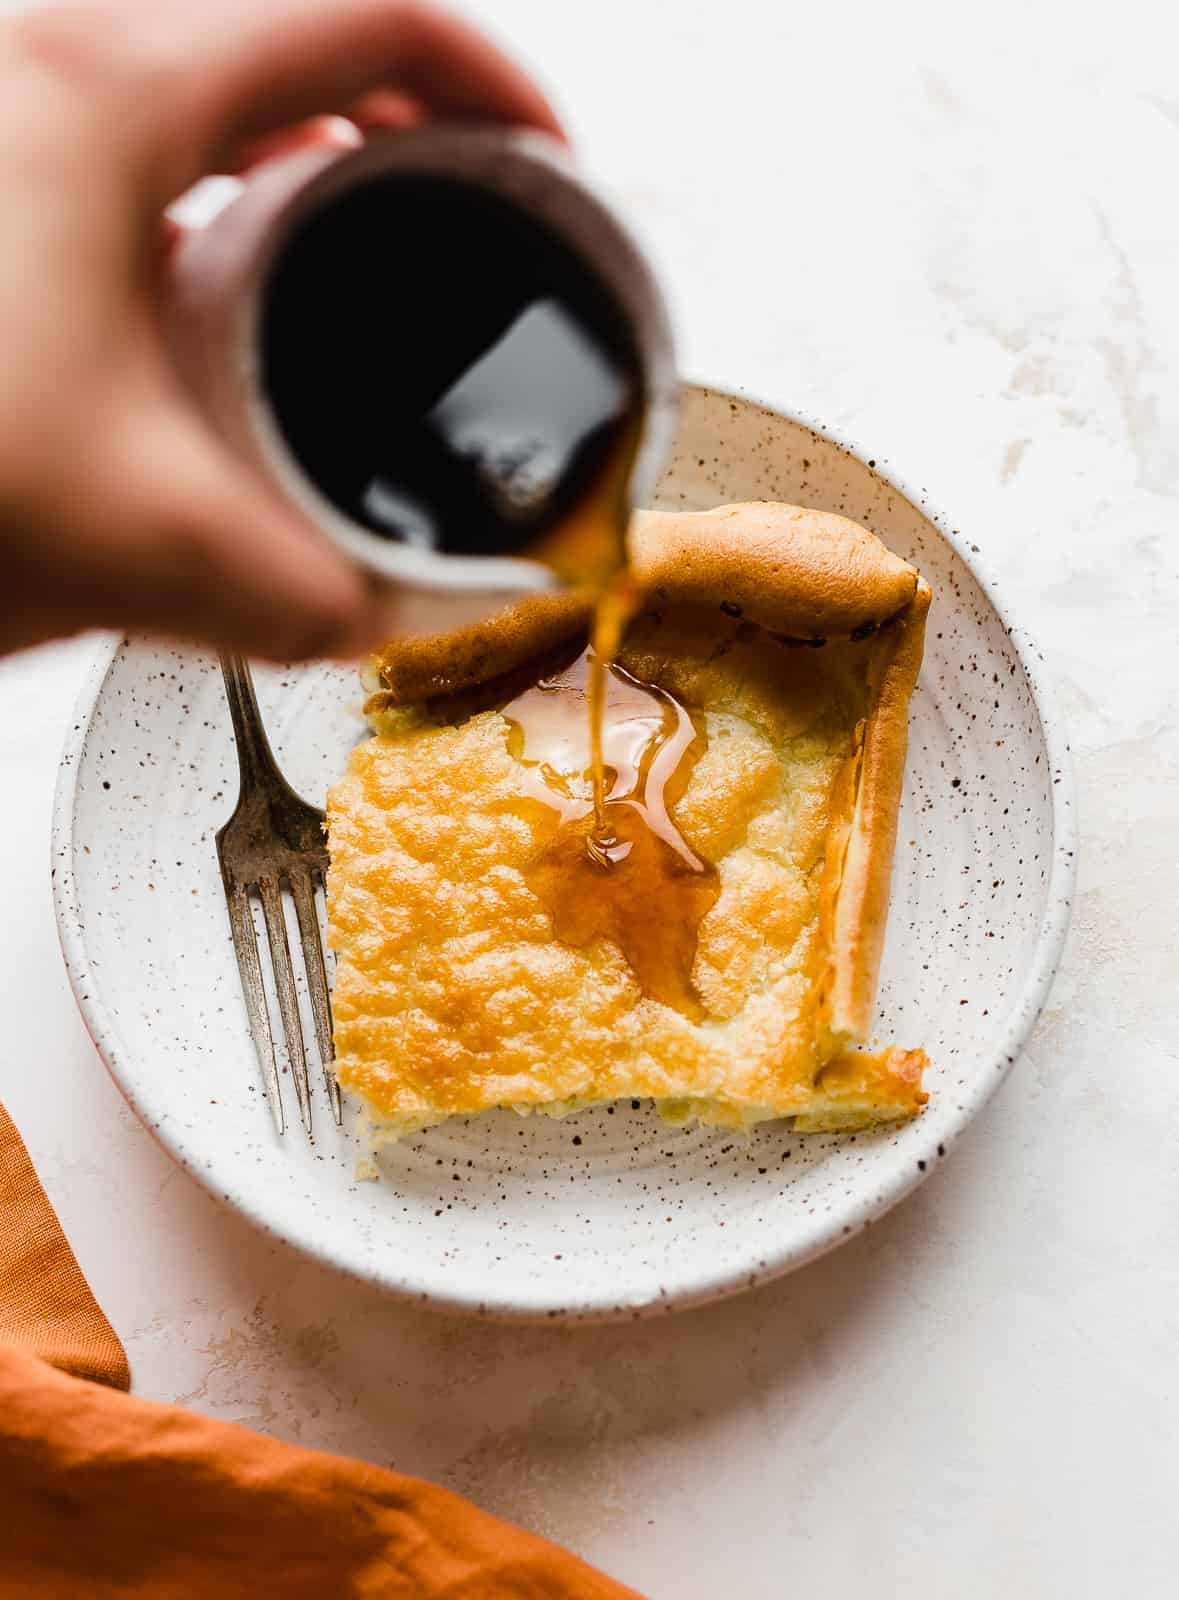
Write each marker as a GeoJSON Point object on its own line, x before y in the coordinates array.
{"type": "Point", "coordinates": [255, 758]}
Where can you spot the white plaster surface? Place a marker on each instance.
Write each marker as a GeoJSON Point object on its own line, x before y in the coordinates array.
{"type": "Point", "coordinates": [953, 233]}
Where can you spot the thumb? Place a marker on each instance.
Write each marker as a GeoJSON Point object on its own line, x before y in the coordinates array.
{"type": "Point", "coordinates": [207, 553]}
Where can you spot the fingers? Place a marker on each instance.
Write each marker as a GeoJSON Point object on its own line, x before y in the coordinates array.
{"type": "Point", "coordinates": [188, 85]}
{"type": "Point", "coordinates": [387, 111]}
{"type": "Point", "coordinates": [339, 132]}
{"type": "Point", "coordinates": [283, 60]}
{"type": "Point", "coordinates": [379, 111]}
{"type": "Point", "coordinates": [219, 559]}
{"type": "Point", "coordinates": [182, 541]}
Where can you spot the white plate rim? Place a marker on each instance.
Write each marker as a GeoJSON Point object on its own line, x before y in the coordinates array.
{"type": "Point", "coordinates": [705, 1285]}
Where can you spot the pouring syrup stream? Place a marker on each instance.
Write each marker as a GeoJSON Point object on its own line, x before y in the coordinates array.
{"type": "Point", "coordinates": [608, 756]}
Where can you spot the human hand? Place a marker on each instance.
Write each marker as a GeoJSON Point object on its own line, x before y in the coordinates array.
{"type": "Point", "coordinates": [118, 506]}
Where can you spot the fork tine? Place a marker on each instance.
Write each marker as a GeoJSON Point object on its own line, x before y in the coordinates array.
{"type": "Point", "coordinates": [288, 997]}
{"type": "Point", "coordinates": [245, 947]}
{"type": "Point", "coordinates": [303, 894]}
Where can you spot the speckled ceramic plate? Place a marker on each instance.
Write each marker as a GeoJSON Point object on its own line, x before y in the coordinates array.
{"type": "Point", "coordinates": [609, 1213]}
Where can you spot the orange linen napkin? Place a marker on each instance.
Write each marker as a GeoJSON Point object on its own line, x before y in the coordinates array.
{"type": "Point", "coordinates": [103, 1495]}
{"type": "Point", "coordinates": [45, 1303]}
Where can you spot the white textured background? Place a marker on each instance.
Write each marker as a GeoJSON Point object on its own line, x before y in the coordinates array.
{"type": "Point", "coordinates": [954, 233]}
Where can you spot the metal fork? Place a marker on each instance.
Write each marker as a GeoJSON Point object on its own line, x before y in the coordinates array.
{"type": "Point", "coordinates": [274, 841]}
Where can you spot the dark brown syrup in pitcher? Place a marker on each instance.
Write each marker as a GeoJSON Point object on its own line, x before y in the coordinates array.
{"type": "Point", "coordinates": [451, 375]}
{"type": "Point", "coordinates": [449, 372]}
